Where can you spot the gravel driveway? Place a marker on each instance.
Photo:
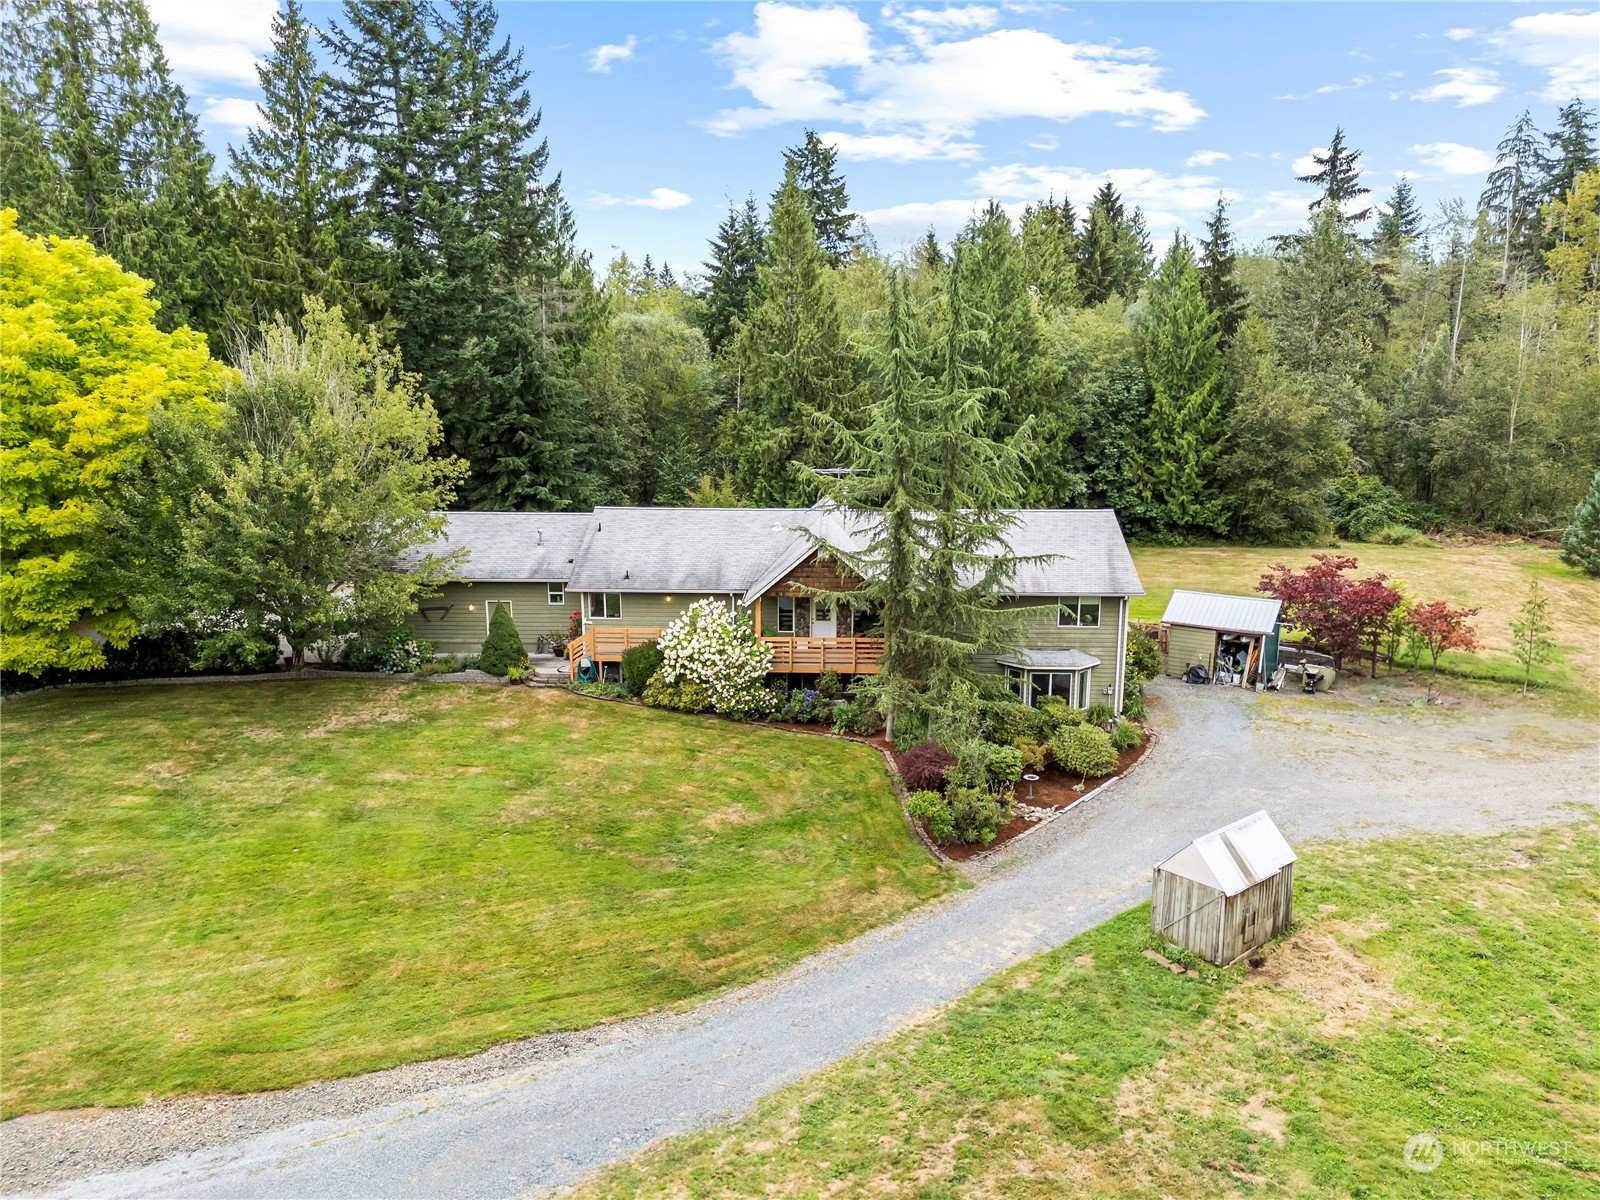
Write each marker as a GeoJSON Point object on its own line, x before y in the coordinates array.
{"type": "Point", "coordinates": [537, 1114]}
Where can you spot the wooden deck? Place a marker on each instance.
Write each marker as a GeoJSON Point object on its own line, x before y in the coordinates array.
{"type": "Point", "coordinates": [790, 655]}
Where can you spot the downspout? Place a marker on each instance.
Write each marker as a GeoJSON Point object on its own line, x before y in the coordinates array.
{"type": "Point", "coordinates": [1122, 654]}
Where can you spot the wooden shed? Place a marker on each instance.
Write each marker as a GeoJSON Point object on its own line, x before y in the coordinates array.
{"type": "Point", "coordinates": [1235, 638]}
{"type": "Point", "coordinates": [1227, 893]}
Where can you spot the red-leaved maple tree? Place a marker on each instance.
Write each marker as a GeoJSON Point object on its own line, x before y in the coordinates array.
{"type": "Point", "coordinates": [1443, 628]}
{"type": "Point", "coordinates": [1339, 614]}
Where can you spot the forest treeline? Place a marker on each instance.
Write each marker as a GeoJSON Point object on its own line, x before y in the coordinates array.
{"type": "Point", "coordinates": [1380, 369]}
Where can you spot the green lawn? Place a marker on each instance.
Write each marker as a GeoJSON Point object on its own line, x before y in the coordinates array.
{"type": "Point", "coordinates": [244, 886]}
{"type": "Point", "coordinates": [1493, 578]}
{"type": "Point", "coordinates": [1446, 986]}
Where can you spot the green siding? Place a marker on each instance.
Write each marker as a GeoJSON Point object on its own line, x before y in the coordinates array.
{"type": "Point", "coordinates": [462, 630]}
{"type": "Point", "coordinates": [644, 610]}
{"type": "Point", "coordinates": [1188, 647]}
{"type": "Point", "coordinates": [1040, 632]}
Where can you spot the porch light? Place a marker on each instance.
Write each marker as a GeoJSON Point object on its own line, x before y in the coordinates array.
{"type": "Point", "coordinates": [669, 599]}
{"type": "Point", "coordinates": [472, 608]}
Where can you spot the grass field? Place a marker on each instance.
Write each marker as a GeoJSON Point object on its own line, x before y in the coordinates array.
{"type": "Point", "coordinates": [244, 886]}
{"type": "Point", "coordinates": [1493, 578]}
{"type": "Point", "coordinates": [1443, 986]}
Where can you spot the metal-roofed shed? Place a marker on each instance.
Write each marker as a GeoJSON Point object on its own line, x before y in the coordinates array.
{"type": "Point", "coordinates": [1227, 893]}
{"type": "Point", "coordinates": [1235, 638]}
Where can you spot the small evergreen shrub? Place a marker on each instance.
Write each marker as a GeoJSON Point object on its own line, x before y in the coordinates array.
{"type": "Point", "coordinates": [1125, 736]}
{"type": "Point", "coordinates": [639, 664]}
{"type": "Point", "coordinates": [1005, 764]}
{"type": "Point", "coordinates": [503, 648]}
{"type": "Point", "coordinates": [974, 814]}
{"type": "Point", "coordinates": [830, 686]}
{"type": "Point", "coordinates": [1004, 721]}
{"type": "Point", "coordinates": [924, 766]}
{"type": "Point", "coordinates": [935, 814]}
{"type": "Point", "coordinates": [1057, 713]}
{"type": "Point", "coordinates": [686, 695]}
{"type": "Point", "coordinates": [1085, 750]}
{"type": "Point", "coordinates": [869, 721]}
{"type": "Point", "coordinates": [1580, 544]}
{"type": "Point", "coordinates": [1099, 714]}
{"type": "Point", "coordinates": [1033, 753]}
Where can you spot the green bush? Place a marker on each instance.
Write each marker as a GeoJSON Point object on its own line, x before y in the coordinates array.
{"type": "Point", "coordinates": [1125, 736]}
{"type": "Point", "coordinates": [830, 686]}
{"type": "Point", "coordinates": [1133, 701]}
{"type": "Point", "coordinates": [1143, 656]}
{"type": "Point", "coordinates": [869, 721]}
{"type": "Point", "coordinates": [1004, 721]}
{"type": "Point", "coordinates": [935, 813]}
{"type": "Point", "coordinates": [1086, 750]}
{"type": "Point", "coordinates": [1034, 753]}
{"type": "Point", "coordinates": [974, 814]}
{"type": "Point", "coordinates": [503, 648]}
{"type": "Point", "coordinates": [1005, 764]}
{"type": "Point", "coordinates": [516, 673]}
{"type": "Point", "coordinates": [639, 664]}
{"type": "Point", "coordinates": [612, 690]}
{"type": "Point", "coordinates": [1058, 714]}
{"type": "Point", "coordinates": [684, 696]}
{"type": "Point", "coordinates": [1099, 714]}
{"type": "Point", "coordinates": [1361, 505]}
{"type": "Point", "coordinates": [1400, 535]}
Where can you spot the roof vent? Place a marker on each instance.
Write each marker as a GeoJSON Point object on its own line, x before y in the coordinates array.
{"type": "Point", "coordinates": [540, 542]}
{"type": "Point", "coordinates": [624, 574]}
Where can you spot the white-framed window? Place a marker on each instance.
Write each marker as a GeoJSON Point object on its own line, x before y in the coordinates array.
{"type": "Point", "coordinates": [1082, 612]}
{"type": "Point", "coordinates": [1071, 686]}
{"type": "Point", "coordinates": [488, 612]}
{"type": "Point", "coordinates": [605, 606]}
{"type": "Point", "coordinates": [558, 593]}
{"type": "Point", "coordinates": [785, 614]}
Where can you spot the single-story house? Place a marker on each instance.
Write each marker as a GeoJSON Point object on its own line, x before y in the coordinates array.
{"type": "Point", "coordinates": [1236, 636]}
{"type": "Point", "coordinates": [630, 572]}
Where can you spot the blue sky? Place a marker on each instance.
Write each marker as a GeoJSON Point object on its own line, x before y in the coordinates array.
{"type": "Point", "coordinates": [659, 114]}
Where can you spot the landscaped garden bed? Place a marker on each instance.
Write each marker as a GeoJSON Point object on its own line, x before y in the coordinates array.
{"type": "Point", "coordinates": [227, 887]}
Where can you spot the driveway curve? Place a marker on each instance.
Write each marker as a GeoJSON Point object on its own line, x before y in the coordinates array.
{"type": "Point", "coordinates": [1324, 767]}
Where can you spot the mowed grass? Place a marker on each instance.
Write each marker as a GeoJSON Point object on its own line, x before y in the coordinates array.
{"type": "Point", "coordinates": [1492, 578]}
{"type": "Point", "coordinates": [244, 886]}
{"type": "Point", "coordinates": [1443, 986]}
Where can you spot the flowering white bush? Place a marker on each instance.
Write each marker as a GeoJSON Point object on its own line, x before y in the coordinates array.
{"type": "Point", "coordinates": [708, 646]}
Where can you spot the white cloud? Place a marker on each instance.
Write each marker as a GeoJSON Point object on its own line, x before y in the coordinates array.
{"type": "Point", "coordinates": [1562, 44]}
{"type": "Point", "coordinates": [1045, 141]}
{"type": "Point", "coordinates": [232, 114]}
{"type": "Point", "coordinates": [1465, 85]}
{"type": "Point", "coordinates": [1452, 158]}
{"type": "Point", "coordinates": [602, 57]}
{"type": "Point", "coordinates": [815, 64]}
{"type": "Point", "coordinates": [661, 198]}
{"type": "Point", "coordinates": [899, 147]}
{"type": "Point", "coordinates": [1306, 164]}
{"type": "Point", "coordinates": [1360, 81]}
{"type": "Point", "coordinates": [212, 42]}
{"type": "Point", "coordinates": [1206, 158]}
{"type": "Point", "coordinates": [1169, 202]}
{"type": "Point", "coordinates": [1275, 212]}
{"type": "Point", "coordinates": [1460, 33]}
{"type": "Point", "coordinates": [907, 222]}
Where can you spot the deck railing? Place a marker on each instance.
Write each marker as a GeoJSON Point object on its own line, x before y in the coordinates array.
{"type": "Point", "coordinates": [790, 655]}
{"type": "Point", "coordinates": [813, 655]}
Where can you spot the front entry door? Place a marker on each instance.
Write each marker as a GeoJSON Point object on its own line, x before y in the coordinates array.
{"type": "Point", "coordinates": [823, 621]}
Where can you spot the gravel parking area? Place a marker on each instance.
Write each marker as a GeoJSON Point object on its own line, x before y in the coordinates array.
{"type": "Point", "coordinates": [1366, 761]}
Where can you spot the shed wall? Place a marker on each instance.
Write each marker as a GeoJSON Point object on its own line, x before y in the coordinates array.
{"type": "Point", "coordinates": [1188, 647]}
{"type": "Point", "coordinates": [1221, 928]}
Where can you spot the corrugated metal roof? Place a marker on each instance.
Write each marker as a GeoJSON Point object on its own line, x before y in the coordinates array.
{"type": "Point", "coordinates": [1234, 857]}
{"type": "Point", "coordinates": [1214, 610]}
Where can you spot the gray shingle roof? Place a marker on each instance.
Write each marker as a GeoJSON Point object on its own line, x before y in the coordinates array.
{"type": "Point", "coordinates": [508, 547]}
{"type": "Point", "coordinates": [731, 549]}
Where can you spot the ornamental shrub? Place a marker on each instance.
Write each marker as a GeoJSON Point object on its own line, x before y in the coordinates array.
{"type": "Point", "coordinates": [869, 721]}
{"type": "Point", "coordinates": [708, 647]}
{"type": "Point", "coordinates": [935, 814]}
{"type": "Point", "coordinates": [1133, 701]}
{"type": "Point", "coordinates": [1085, 749]}
{"type": "Point", "coordinates": [503, 648]}
{"type": "Point", "coordinates": [1099, 714]}
{"type": "Point", "coordinates": [830, 686]}
{"type": "Point", "coordinates": [639, 664]}
{"type": "Point", "coordinates": [924, 766]}
{"type": "Point", "coordinates": [974, 813]}
{"type": "Point", "coordinates": [1005, 764]}
{"type": "Point", "coordinates": [1125, 736]}
{"type": "Point", "coordinates": [1143, 656]}
{"type": "Point", "coordinates": [1033, 753]}
{"type": "Point", "coordinates": [683, 696]}
{"type": "Point", "coordinates": [1057, 713]}
{"type": "Point", "coordinates": [1004, 721]}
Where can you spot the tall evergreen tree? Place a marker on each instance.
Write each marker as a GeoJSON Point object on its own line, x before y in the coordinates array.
{"type": "Point", "coordinates": [1400, 220]}
{"type": "Point", "coordinates": [1114, 251]}
{"type": "Point", "coordinates": [298, 189]}
{"type": "Point", "coordinates": [1050, 252]}
{"type": "Point", "coordinates": [1218, 260]}
{"type": "Point", "coordinates": [1512, 196]}
{"type": "Point", "coordinates": [1339, 178]}
{"type": "Point", "coordinates": [1572, 149]}
{"type": "Point", "coordinates": [1183, 433]}
{"type": "Point", "coordinates": [816, 168]}
{"type": "Point", "coordinates": [930, 255]}
{"type": "Point", "coordinates": [441, 129]}
{"type": "Point", "coordinates": [793, 362]}
{"type": "Point", "coordinates": [97, 141]}
{"type": "Point", "coordinates": [731, 273]}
